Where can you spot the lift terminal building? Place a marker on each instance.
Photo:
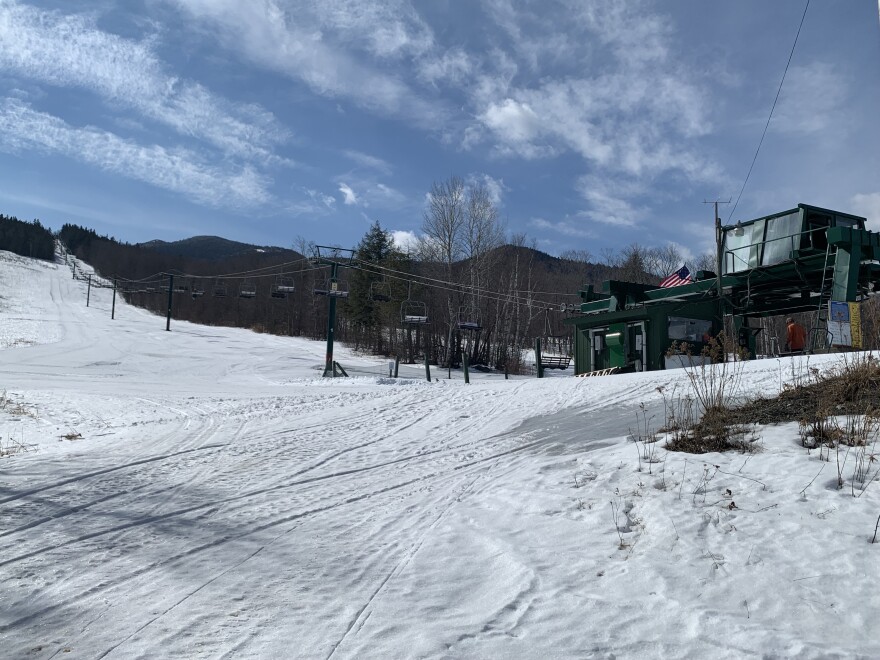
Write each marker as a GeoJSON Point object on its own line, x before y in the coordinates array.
{"type": "Point", "coordinates": [806, 259]}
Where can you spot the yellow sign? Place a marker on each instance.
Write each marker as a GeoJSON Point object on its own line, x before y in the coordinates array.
{"type": "Point", "coordinates": [855, 324]}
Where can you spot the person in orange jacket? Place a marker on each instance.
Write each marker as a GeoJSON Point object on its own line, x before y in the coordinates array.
{"type": "Point", "coordinates": [796, 338]}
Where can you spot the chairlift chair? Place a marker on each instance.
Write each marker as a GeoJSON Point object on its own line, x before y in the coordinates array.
{"type": "Point", "coordinates": [332, 290]}
{"type": "Point", "coordinates": [469, 319]}
{"type": "Point", "coordinates": [380, 291]}
{"type": "Point", "coordinates": [247, 290]}
{"type": "Point", "coordinates": [413, 312]}
{"type": "Point", "coordinates": [219, 289]}
{"type": "Point", "coordinates": [197, 291]}
{"type": "Point", "coordinates": [282, 287]}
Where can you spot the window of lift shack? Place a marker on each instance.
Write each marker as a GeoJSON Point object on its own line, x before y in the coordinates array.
{"type": "Point", "coordinates": [688, 330]}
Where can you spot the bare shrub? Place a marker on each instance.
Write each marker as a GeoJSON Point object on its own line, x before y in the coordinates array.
{"type": "Point", "coordinates": [645, 439]}
{"type": "Point", "coordinates": [701, 421]}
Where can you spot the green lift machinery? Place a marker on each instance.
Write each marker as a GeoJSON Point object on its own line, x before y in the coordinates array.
{"type": "Point", "coordinates": [806, 259]}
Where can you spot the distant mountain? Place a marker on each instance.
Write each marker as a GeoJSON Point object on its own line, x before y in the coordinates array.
{"type": "Point", "coordinates": [212, 248]}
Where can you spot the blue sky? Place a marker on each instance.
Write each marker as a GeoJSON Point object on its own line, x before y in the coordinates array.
{"type": "Point", "coordinates": [594, 124]}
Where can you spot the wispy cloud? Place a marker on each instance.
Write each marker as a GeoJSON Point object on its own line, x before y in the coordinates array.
{"type": "Point", "coordinates": [369, 193]}
{"type": "Point", "coordinates": [319, 43]}
{"type": "Point", "coordinates": [348, 196]}
{"type": "Point", "coordinates": [811, 99]}
{"type": "Point", "coordinates": [568, 228]}
{"type": "Point", "coordinates": [313, 203]}
{"type": "Point", "coordinates": [385, 196]}
{"type": "Point", "coordinates": [368, 161]}
{"type": "Point", "coordinates": [494, 187]}
{"type": "Point", "coordinates": [177, 170]}
{"type": "Point", "coordinates": [386, 29]}
{"type": "Point", "coordinates": [630, 109]}
{"type": "Point", "coordinates": [70, 51]}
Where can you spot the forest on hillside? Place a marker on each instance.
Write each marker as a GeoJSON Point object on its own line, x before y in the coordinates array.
{"type": "Point", "coordinates": [468, 288]}
{"type": "Point", "coordinates": [29, 239]}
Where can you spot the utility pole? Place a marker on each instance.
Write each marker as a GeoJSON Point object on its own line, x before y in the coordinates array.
{"type": "Point", "coordinates": [170, 300]}
{"type": "Point", "coordinates": [113, 308]}
{"type": "Point", "coordinates": [719, 239]}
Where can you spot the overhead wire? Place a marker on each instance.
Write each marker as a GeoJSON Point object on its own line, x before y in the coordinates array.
{"type": "Point", "coordinates": [772, 108]}
{"type": "Point", "coordinates": [456, 287]}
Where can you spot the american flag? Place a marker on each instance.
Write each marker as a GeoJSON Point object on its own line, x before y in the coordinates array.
{"type": "Point", "coordinates": [681, 276]}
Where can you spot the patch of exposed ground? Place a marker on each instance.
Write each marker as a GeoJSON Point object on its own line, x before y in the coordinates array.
{"type": "Point", "coordinates": [848, 393]}
{"type": "Point", "coordinates": [853, 390]}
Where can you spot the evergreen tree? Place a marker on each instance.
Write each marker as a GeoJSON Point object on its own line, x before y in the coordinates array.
{"type": "Point", "coordinates": [29, 239]}
{"type": "Point", "coordinates": [365, 308]}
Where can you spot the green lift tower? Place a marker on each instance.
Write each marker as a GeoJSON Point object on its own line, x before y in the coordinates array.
{"type": "Point", "coordinates": [807, 259]}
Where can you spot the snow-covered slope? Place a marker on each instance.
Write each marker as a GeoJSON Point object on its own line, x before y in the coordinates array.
{"type": "Point", "coordinates": [223, 500]}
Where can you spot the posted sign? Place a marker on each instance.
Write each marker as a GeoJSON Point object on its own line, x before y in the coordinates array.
{"type": "Point", "coordinates": [845, 324]}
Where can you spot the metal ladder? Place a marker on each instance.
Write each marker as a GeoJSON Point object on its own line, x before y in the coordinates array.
{"type": "Point", "coordinates": [819, 337]}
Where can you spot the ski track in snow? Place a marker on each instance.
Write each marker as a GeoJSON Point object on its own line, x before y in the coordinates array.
{"type": "Point", "coordinates": [225, 501]}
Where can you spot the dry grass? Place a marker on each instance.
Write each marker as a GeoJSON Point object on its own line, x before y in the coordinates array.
{"type": "Point", "coordinates": [701, 421]}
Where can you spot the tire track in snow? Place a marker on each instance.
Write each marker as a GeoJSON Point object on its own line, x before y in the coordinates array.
{"type": "Point", "coordinates": [420, 458]}
{"type": "Point", "coordinates": [165, 562]}
{"type": "Point", "coordinates": [297, 517]}
{"type": "Point", "coordinates": [89, 475]}
{"type": "Point", "coordinates": [451, 500]}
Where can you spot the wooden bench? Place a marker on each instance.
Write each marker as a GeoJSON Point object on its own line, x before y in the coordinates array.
{"type": "Point", "coordinates": [555, 361]}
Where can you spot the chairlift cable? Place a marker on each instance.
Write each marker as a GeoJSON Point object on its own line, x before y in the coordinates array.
{"type": "Point", "coordinates": [772, 108]}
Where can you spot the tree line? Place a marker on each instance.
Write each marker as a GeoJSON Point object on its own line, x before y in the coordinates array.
{"type": "Point", "coordinates": [479, 291]}
{"type": "Point", "coordinates": [28, 239]}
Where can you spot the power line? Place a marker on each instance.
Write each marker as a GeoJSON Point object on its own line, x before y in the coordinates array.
{"type": "Point", "coordinates": [767, 125]}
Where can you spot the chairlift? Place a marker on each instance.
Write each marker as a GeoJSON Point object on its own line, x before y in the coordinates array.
{"type": "Point", "coordinates": [247, 290]}
{"type": "Point", "coordinates": [469, 319]}
{"type": "Point", "coordinates": [197, 291]}
{"type": "Point", "coordinates": [282, 287]}
{"type": "Point", "coordinates": [555, 357]}
{"type": "Point", "coordinates": [380, 291]}
{"type": "Point", "coordinates": [332, 290]}
{"type": "Point", "coordinates": [413, 312]}
{"type": "Point", "coordinates": [219, 289]}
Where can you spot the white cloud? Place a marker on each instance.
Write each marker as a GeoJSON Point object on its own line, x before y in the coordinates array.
{"type": "Point", "coordinates": [327, 201]}
{"type": "Point", "coordinates": [610, 209]}
{"type": "Point", "coordinates": [512, 121]}
{"type": "Point", "coordinates": [452, 66]}
{"type": "Point", "coordinates": [370, 193]}
{"type": "Point", "coordinates": [69, 51]}
{"type": "Point", "coordinates": [868, 205]}
{"type": "Point", "coordinates": [618, 96]}
{"type": "Point", "coordinates": [494, 187]}
{"type": "Point", "coordinates": [387, 29]}
{"type": "Point", "coordinates": [178, 170]}
{"type": "Point", "coordinates": [348, 196]}
{"type": "Point", "coordinates": [300, 45]}
{"type": "Point", "coordinates": [405, 240]}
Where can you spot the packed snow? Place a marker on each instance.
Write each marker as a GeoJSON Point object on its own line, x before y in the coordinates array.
{"type": "Point", "coordinates": [204, 492]}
